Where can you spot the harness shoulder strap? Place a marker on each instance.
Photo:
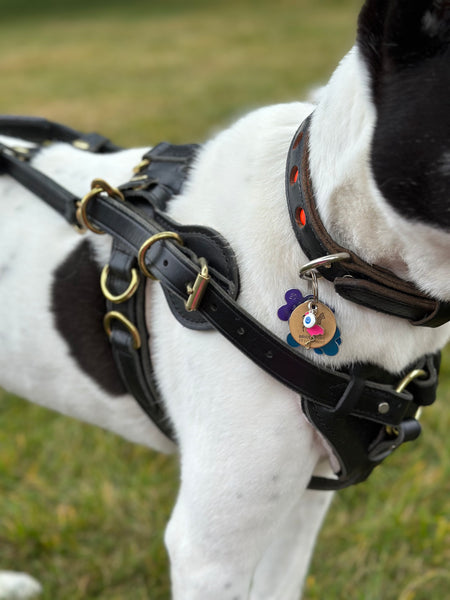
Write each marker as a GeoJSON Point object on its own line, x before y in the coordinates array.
{"type": "Point", "coordinates": [41, 131]}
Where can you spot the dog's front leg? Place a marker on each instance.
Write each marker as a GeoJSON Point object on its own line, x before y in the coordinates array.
{"type": "Point", "coordinates": [282, 571]}
{"type": "Point", "coordinates": [239, 487]}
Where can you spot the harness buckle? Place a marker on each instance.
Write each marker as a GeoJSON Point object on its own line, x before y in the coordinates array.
{"type": "Point", "coordinates": [197, 290]}
{"type": "Point", "coordinates": [390, 438]}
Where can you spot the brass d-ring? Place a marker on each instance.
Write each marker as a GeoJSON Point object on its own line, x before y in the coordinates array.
{"type": "Point", "coordinates": [409, 378]}
{"type": "Point", "coordinates": [131, 328]}
{"type": "Point", "coordinates": [124, 296]}
{"type": "Point", "coordinates": [414, 374]}
{"type": "Point", "coordinates": [162, 235]}
{"type": "Point", "coordinates": [97, 187]}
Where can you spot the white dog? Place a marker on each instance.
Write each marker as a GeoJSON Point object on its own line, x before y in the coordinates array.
{"type": "Point", "coordinates": [244, 524]}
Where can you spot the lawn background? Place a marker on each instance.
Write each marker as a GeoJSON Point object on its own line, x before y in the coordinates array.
{"type": "Point", "coordinates": [83, 510]}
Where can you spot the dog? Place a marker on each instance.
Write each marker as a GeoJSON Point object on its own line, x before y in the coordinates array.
{"type": "Point", "coordinates": [245, 523]}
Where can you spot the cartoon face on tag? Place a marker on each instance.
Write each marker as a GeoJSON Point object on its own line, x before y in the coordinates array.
{"type": "Point", "coordinates": [312, 325]}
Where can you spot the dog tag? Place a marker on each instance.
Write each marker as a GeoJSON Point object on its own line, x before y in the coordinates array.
{"type": "Point", "coordinates": [312, 324]}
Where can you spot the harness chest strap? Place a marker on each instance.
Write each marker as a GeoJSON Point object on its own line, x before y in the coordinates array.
{"type": "Point", "coordinates": [349, 408]}
{"type": "Point", "coordinates": [170, 264]}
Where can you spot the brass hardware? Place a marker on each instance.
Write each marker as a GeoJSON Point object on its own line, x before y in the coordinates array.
{"type": "Point", "coordinates": [197, 290]}
{"type": "Point", "coordinates": [109, 189]}
{"type": "Point", "coordinates": [400, 388]}
{"type": "Point", "coordinates": [22, 152]}
{"type": "Point", "coordinates": [81, 215]}
{"type": "Point", "coordinates": [162, 235]}
{"type": "Point", "coordinates": [131, 328]}
{"type": "Point", "coordinates": [97, 187]}
{"type": "Point", "coordinates": [410, 377]}
{"type": "Point", "coordinates": [144, 163]}
{"type": "Point", "coordinates": [124, 296]}
{"type": "Point", "coordinates": [81, 144]}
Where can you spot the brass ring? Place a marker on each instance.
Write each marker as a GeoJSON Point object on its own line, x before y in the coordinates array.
{"type": "Point", "coordinates": [97, 187]}
{"type": "Point", "coordinates": [124, 296]}
{"type": "Point", "coordinates": [81, 211]}
{"type": "Point", "coordinates": [394, 431]}
{"type": "Point", "coordinates": [109, 189]}
{"type": "Point", "coordinates": [142, 165]}
{"type": "Point", "coordinates": [410, 377]}
{"type": "Point", "coordinates": [162, 235]}
{"type": "Point", "coordinates": [131, 328]}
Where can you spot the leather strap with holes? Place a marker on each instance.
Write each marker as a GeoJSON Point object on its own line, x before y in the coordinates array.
{"type": "Point", "coordinates": [368, 285]}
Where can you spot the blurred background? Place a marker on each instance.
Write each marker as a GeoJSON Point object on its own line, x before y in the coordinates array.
{"type": "Point", "coordinates": [83, 510]}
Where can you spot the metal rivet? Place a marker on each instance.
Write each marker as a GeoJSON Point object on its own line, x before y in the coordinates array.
{"type": "Point", "coordinates": [383, 408]}
{"type": "Point", "coordinates": [81, 144]}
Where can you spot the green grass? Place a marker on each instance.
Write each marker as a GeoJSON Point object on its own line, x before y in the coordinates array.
{"type": "Point", "coordinates": [83, 510]}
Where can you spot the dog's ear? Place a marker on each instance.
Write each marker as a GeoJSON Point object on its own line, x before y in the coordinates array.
{"type": "Point", "coordinates": [395, 34]}
{"type": "Point", "coordinates": [405, 45]}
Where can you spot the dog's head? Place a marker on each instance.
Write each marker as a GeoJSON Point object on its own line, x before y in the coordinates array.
{"type": "Point", "coordinates": [406, 47]}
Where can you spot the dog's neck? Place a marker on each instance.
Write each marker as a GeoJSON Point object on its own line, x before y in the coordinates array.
{"type": "Point", "coordinates": [352, 208]}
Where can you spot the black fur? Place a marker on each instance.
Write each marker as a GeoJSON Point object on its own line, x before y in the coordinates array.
{"type": "Point", "coordinates": [79, 307]}
{"type": "Point", "coordinates": [406, 46]}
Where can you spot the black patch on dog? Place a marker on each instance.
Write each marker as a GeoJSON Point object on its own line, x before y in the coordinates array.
{"type": "Point", "coordinates": [78, 306]}
{"type": "Point", "coordinates": [406, 46]}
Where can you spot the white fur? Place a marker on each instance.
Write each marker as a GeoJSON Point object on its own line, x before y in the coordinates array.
{"type": "Point", "coordinates": [243, 526]}
{"type": "Point", "coordinates": [18, 586]}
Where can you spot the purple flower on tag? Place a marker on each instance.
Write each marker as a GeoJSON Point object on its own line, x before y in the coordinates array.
{"type": "Point", "coordinates": [293, 299]}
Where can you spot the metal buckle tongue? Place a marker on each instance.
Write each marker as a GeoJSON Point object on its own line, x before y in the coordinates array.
{"type": "Point", "coordinates": [197, 290]}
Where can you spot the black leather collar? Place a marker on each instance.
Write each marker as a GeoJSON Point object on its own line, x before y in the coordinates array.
{"type": "Point", "coordinates": [368, 285]}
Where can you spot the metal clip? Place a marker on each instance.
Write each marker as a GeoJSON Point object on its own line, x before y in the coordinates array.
{"type": "Point", "coordinates": [197, 290]}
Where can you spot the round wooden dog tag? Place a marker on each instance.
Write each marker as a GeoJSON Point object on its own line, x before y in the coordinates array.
{"type": "Point", "coordinates": [312, 324]}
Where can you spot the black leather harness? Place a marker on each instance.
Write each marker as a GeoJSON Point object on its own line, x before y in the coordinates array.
{"type": "Point", "coordinates": [362, 411]}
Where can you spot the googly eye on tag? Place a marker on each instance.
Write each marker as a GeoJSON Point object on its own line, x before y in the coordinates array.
{"type": "Point", "coordinates": [309, 320]}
